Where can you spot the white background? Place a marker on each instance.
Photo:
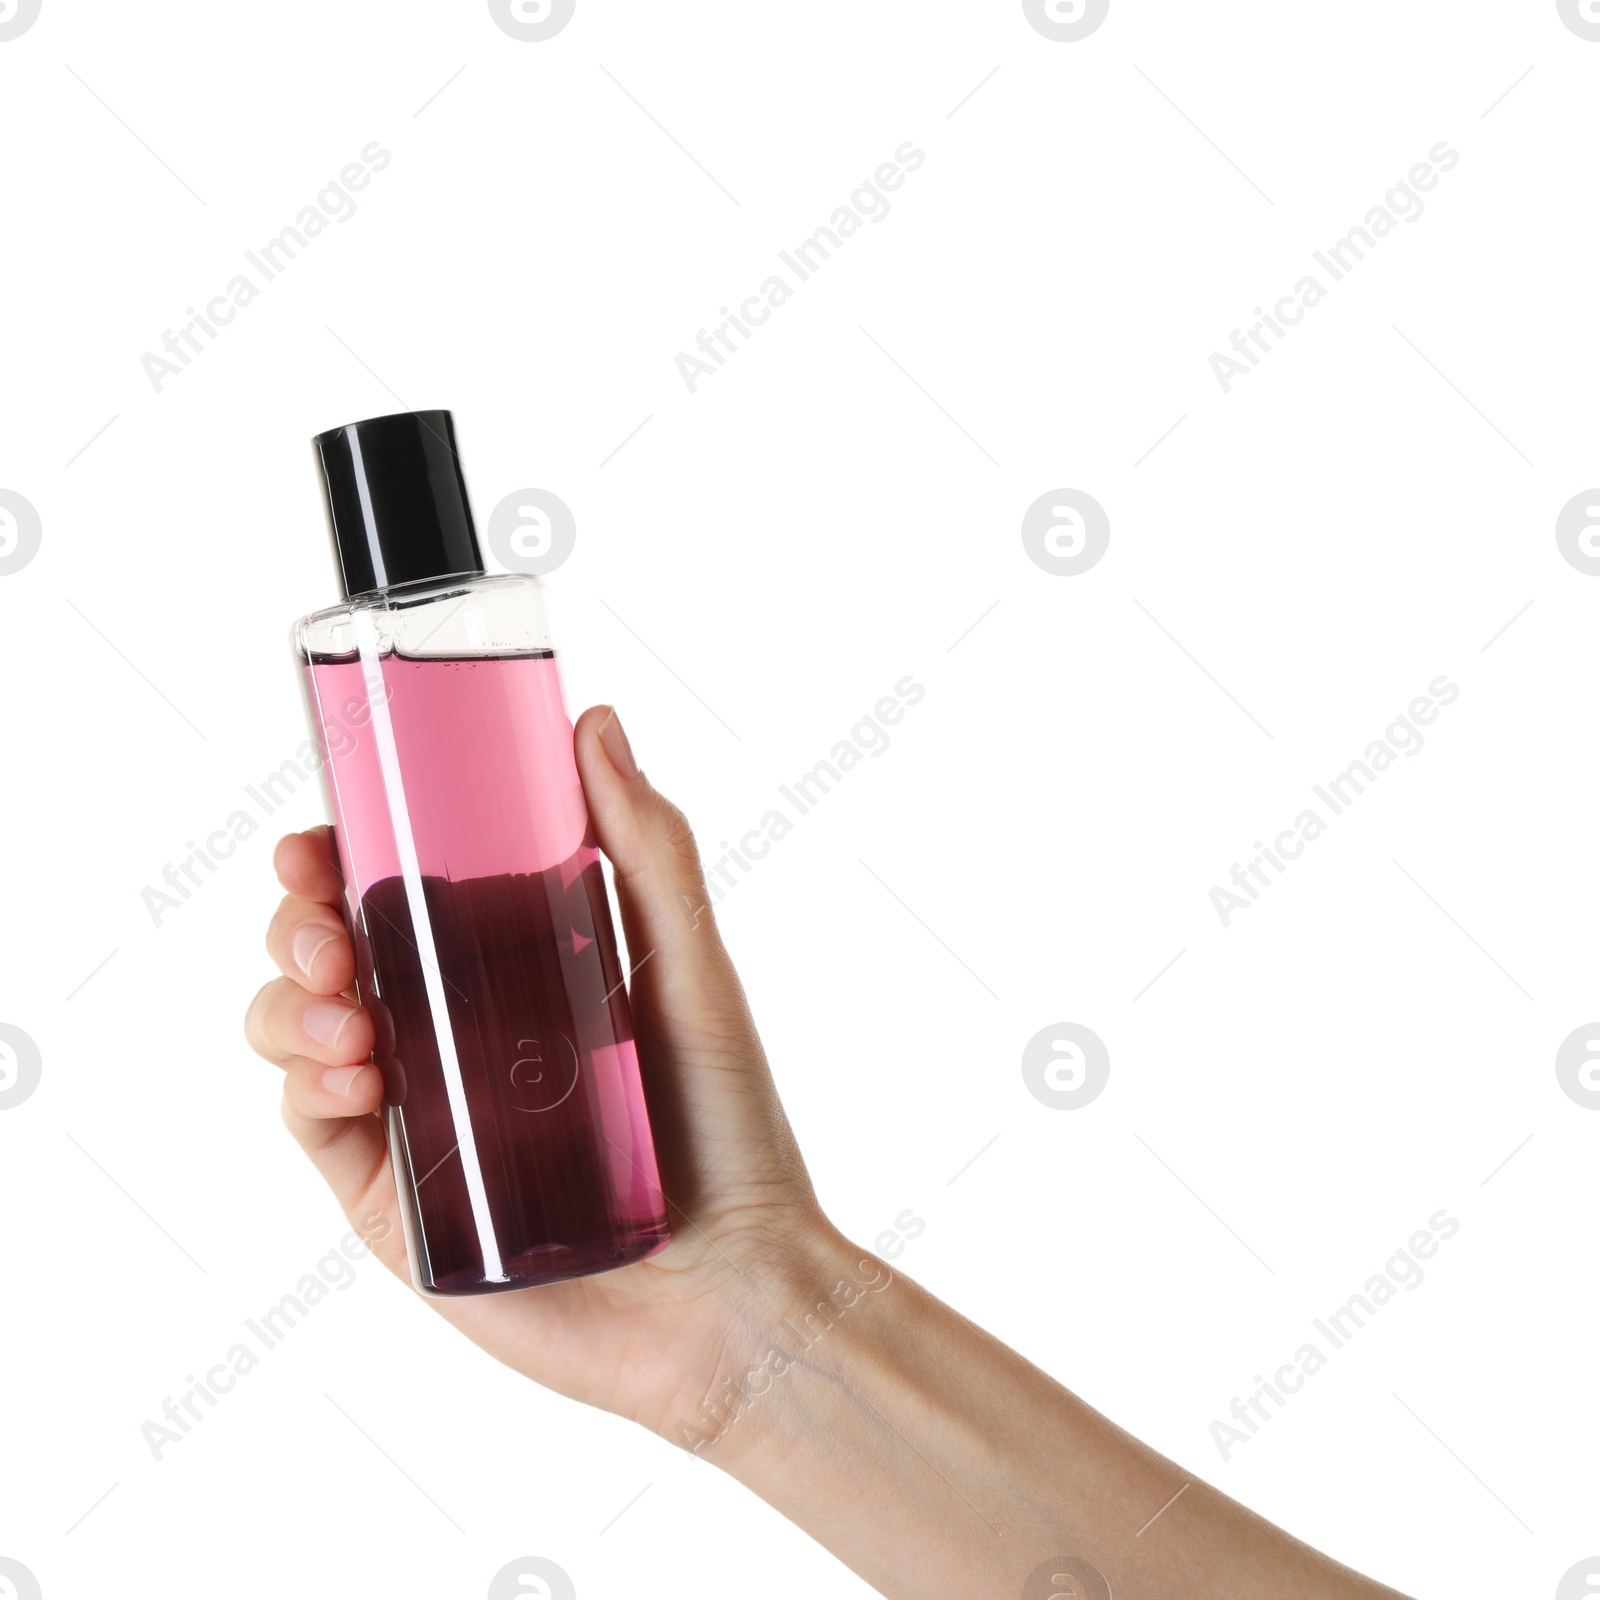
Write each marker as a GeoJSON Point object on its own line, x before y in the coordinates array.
{"type": "Point", "coordinates": [1288, 1101]}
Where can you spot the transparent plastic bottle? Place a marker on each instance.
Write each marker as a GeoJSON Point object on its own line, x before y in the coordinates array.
{"type": "Point", "coordinates": [473, 890]}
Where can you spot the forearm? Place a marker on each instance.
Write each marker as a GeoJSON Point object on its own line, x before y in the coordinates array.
{"type": "Point", "coordinates": [937, 1463]}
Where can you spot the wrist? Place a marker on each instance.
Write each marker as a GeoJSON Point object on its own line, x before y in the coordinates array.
{"type": "Point", "coordinates": [790, 1334]}
{"type": "Point", "coordinates": [844, 1405]}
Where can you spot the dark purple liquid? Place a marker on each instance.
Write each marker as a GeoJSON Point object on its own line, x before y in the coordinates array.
{"type": "Point", "coordinates": [528, 969]}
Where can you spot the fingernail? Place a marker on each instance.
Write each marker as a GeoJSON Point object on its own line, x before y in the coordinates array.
{"type": "Point", "coordinates": [337, 1080]}
{"type": "Point", "coordinates": [324, 1021]}
{"type": "Point", "coordinates": [617, 746]}
{"type": "Point", "coordinates": [307, 941]}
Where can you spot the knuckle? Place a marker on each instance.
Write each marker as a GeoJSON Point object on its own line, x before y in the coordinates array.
{"type": "Point", "coordinates": [288, 917]}
{"type": "Point", "coordinates": [678, 835]}
{"type": "Point", "coordinates": [255, 1013]}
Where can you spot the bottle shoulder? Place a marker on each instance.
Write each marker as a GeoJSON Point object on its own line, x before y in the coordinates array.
{"type": "Point", "coordinates": [476, 614]}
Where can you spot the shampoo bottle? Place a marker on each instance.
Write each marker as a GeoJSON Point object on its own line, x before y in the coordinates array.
{"type": "Point", "coordinates": [473, 889]}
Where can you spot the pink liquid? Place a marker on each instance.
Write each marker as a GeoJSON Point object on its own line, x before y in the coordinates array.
{"type": "Point", "coordinates": [486, 954]}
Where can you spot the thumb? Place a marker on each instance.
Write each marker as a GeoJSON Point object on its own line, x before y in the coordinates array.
{"type": "Point", "coordinates": [661, 889]}
{"type": "Point", "coordinates": [713, 1106]}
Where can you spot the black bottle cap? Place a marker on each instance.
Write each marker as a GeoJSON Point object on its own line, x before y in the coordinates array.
{"type": "Point", "coordinates": [396, 501]}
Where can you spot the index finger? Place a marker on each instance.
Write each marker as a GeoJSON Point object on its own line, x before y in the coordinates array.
{"type": "Point", "coordinates": [308, 867]}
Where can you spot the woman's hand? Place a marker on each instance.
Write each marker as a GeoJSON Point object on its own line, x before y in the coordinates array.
{"type": "Point", "coordinates": [925, 1454]}
{"type": "Point", "coordinates": [651, 1340]}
